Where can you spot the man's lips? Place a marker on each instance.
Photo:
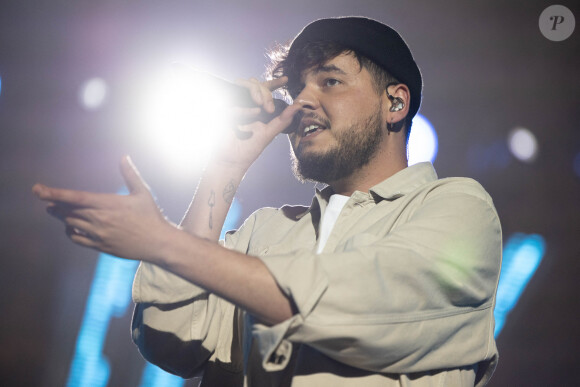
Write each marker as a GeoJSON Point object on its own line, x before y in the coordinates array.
{"type": "Point", "coordinates": [309, 127]}
{"type": "Point", "coordinates": [311, 130]}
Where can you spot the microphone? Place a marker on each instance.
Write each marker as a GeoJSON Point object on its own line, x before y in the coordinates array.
{"type": "Point", "coordinates": [234, 94]}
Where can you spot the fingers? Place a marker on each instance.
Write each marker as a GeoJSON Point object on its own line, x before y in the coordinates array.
{"type": "Point", "coordinates": [80, 237]}
{"type": "Point", "coordinates": [276, 83]}
{"type": "Point", "coordinates": [284, 121]}
{"type": "Point", "coordinates": [132, 177]}
{"type": "Point", "coordinates": [80, 227]}
{"type": "Point", "coordinates": [76, 229]}
{"type": "Point", "coordinates": [264, 95]}
{"type": "Point", "coordinates": [77, 222]}
{"type": "Point", "coordinates": [261, 95]}
{"type": "Point", "coordinates": [61, 211]}
{"type": "Point", "coordinates": [245, 114]}
{"type": "Point", "coordinates": [286, 118]}
{"type": "Point", "coordinates": [274, 124]}
{"type": "Point", "coordinates": [71, 197]}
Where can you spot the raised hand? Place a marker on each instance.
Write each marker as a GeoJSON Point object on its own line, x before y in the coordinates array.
{"type": "Point", "coordinates": [129, 226]}
{"type": "Point", "coordinates": [248, 137]}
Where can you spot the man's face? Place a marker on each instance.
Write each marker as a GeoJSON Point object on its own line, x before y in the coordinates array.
{"type": "Point", "coordinates": [341, 126]}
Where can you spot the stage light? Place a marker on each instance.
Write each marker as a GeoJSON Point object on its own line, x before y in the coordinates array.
{"type": "Point", "coordinates": [93, 93]}
{"type": "Point", "coordinates": [0, 85]}
{"type": "Point", "coordinates": [423, 142]}
{"type": "Point", "coordinates": [522, 255]}
{"type": "Point", "coordinates": [182, 116]}
{"type": "Point", "coordinates": [523, 144]}
{"type": "Point", "coordinates": [154, 376]}
{"type": "Point", "coordinates": [109, 297]}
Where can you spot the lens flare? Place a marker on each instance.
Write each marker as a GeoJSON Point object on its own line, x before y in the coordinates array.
{"type": "Point", "coordinates": [523, 144]}
{"type": "Point", "coordinates": [93, 93]}
{"type": "Point", "coordinates": [183, 115]}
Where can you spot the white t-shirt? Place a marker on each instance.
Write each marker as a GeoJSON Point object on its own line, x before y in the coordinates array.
{"type": "Point", "coordinates": [335, 205]}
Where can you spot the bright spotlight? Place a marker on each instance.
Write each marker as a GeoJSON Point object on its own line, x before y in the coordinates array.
{"type": "Point", "coordinates": [182, 115]}
{"type": "Point", "coordinates": [423, 142]}
{"type": "Point", "coordinates": [523, 144]}
{"type": "Point", "coordinates": [92, 93]}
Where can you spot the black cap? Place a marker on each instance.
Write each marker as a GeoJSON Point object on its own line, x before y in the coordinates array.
{"type": "Point", "coordinates": [377, 41]}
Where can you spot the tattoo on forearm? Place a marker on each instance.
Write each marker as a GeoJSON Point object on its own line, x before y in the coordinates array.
{"type": "Point", "coordinates": [229, 192]}
{"type": "Point", "coordinates": [211, 204]}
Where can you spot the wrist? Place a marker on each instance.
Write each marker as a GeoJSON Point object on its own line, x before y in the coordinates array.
{"type": "Point", "coordinates": [161, 246]}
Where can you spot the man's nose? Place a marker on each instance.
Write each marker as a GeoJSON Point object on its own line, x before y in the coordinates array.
{"type": "Point", "coordinates": [308, 98]}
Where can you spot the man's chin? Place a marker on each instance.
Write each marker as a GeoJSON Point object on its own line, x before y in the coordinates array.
{"type": "Point", "coordinates": [307, 153]}
{"type": "Point", "coordinates": [312, 168]}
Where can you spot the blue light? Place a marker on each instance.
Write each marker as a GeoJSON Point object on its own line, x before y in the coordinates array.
{"type": "Point", "coordinates": [423, 143]}
{"type": "Point", "coordinates": [232, 218]}
{"type": "Point", "coordinates": [110, 296]}
{"type": "Point", "coordinates": [154, 376]}
{"type": "Point", "coordinates": [522, 255]}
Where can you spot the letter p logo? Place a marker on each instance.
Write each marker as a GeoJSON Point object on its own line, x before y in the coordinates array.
{"type": "Point", "coordinates": [557, 23]}
{"type": "Point", "coordinates": [557, 20]}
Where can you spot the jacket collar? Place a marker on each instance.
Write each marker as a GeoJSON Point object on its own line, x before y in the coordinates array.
{"type": "Point", "coordinates": [400, 184]}
{"type": "Point", "coordinates": [404, 181]}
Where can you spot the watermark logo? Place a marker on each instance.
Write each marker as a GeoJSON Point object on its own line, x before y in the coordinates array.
{"type": "Point", "coordinates": [557, 23]}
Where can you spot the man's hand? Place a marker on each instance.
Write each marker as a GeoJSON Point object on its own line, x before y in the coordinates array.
{"type": "Point", "coordinates": [235, 152]}
{"type": "Point", "coordinates": [129, 226]}
{"type": "Point", "coordinates": [242, 145]}
{"type": "Point", "coordinates": [132, 226]}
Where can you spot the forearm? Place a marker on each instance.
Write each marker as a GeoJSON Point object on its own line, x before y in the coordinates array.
{"type": "Point", "coordinates": [214, 195]}
{"type": "Point", "coordinates": [241, 279]}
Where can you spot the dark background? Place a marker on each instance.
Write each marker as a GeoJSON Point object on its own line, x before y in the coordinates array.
{"type": "Point", "coordinates": [487, 69]}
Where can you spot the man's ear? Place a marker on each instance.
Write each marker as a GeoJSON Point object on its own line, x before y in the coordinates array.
{"type": "Point", "coordinates": [397, 106]}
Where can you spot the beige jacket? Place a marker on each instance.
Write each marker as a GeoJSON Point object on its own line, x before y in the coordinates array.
{"type": "Point", "coordinates": [402, 294]}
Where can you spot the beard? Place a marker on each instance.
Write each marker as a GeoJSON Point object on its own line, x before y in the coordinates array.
{"type": "Point", "coordinates": [355, 148]}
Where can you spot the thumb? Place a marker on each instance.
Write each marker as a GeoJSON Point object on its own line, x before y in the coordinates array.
{"type": "Point", "coordinates": [133, 179]}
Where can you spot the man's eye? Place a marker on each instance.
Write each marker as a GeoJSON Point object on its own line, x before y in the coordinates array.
{"type": "Point", "coordinates": [330, 82]}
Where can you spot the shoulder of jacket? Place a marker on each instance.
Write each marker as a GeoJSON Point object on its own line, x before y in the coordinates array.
{"type": "Point", "coordinates": [461, 185]}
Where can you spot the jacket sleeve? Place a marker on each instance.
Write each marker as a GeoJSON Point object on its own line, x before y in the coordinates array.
{"type": "Point", "coordinates": [180, 327]}
{"type": "Point", "coordinates": [418, 298]}
{"type": "Point", "coordinates": [181, 333]}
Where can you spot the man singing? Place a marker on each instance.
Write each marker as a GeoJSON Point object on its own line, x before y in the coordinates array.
{"type": "Point", "coordinates": [387, 279]}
